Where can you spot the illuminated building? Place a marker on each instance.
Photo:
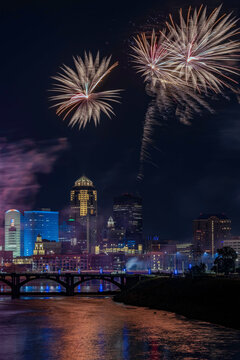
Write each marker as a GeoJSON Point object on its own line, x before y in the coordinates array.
{"type": "Point", "coordinates": [209, 232]}
{"type": "Point", "coordinates": [128, 219]}
{"type": "Point", "coordinates": [67, 231]}
{"type": "Point", "coordinates": [124, 248]}
{"type": "Point", "coordinates": [234, 243]}
{"type": "Point", "coordinates": [110, 223]}
{"type": "Point", "coordinates": [60, 262]}
{"type": "Point", "coordinates": [22, 264]}
{"type": "Point", "coordinates": [39, 249]}
{"type": "Point", "coordinates": [46, 247]}
{"type": "Point", "coordinates": [39, 222]}
{"type": "Point", "coordinates": [6, 257]}
{"type": "Point", "coordinates": [14, 232]}
{"type": "Point", "coordinates": [83, 202]}
{"type": "Point", "coordinates": [155, 261]}
{"type": "Point", "coordinates": [185, 249]}
{"type": "Point", "coordinates": [116, 261]}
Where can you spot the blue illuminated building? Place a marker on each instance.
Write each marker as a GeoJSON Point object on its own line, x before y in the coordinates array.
{"type": "Point", "coordinates": [44, 223]}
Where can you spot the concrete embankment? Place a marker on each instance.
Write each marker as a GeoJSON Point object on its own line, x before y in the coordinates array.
{"type": "Point", "coordinates": [215, 300]}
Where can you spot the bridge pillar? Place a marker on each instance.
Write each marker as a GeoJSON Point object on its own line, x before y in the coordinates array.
{"type": "Point", "coordinates": [15, 286]}
{"type": "Point", "coordinates": [15, 293]}
{"type": "Point", "coordinates": [70, 285]}
{"type": "Point", "coordinates": [123, 281]}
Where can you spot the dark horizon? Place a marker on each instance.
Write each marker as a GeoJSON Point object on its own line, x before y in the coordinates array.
{"type": "Point", "coordinates": [196, 166]}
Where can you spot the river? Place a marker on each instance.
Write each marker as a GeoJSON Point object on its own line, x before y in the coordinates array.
{"type": "Point", "coordinates": [77, 328]}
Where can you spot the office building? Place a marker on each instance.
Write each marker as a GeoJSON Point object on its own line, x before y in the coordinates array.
{"type": "Point", "coordinates": [67, 231]}
{"type": "Point", "coordinates": [43, 222]}
{"type": "Point", "coordinates": [234, 243]}
{"type": "Point", "coordinates": [128, 218]}
{"type": "Point", "coordinates": [14, 232]}
{"type": "Point", "coordinates": [209, 232]}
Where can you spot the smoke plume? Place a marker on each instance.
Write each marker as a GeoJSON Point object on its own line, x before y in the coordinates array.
{"type": "Point", "coordinates": [20, 164]}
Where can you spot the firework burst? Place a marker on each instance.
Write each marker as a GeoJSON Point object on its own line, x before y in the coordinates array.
{"type": "Point", "coordinates": [152, 60]}
{"type": "Point", "coordinates": [77, 93]}
{"type": "Point", "coordinates": [202, 49]}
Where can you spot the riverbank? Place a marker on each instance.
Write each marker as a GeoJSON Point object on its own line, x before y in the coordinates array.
{"type": "Point", "coordinates": [213, 300]}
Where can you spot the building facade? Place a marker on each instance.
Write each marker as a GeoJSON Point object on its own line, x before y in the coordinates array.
{"type": "Point", "coordinates": [14, 232]}
{"type": "Point", "coordinates": [6, 257]}
{"type": "Point", "coordinates": [46, 247]}
{"type": "Point", "coordinates": [209, 232]}
{"type": "Point", "coordinates": [234, 243]}
{"type": "Point", "coordinates": [67, 231]}
{"type": "Point", "coordinates": [128, 218]}
{"type": "Point", "coordinates": [83, 202]}
{"type": "Point", "coordinates": [60, 262]}
{"type": "Point", "coordinates": [44, 223]}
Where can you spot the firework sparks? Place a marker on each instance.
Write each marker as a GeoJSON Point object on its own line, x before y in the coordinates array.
{"type": "Point", "coordinates": [152, 60]}
{"type": "Point", "coordinates": [77, 90]}
{"type": "Point", "coordinates": [203, 50]}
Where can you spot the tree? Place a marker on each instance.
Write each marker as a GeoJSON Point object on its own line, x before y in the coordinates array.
{"type": "Point", "coordinates": [225, 261]}
{"type": "Point", "coordinates": [198, 269]}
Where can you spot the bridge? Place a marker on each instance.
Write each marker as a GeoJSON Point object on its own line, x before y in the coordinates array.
{"type": "Point", "coordinates": [69, 281]}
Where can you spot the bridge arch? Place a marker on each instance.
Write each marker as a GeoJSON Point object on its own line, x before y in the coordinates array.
{"type": "Point", "coordinates": [52, 278]}
{"type": "Point", "coordinates": [97, 277]}
{"type": "Point", "coordinates": [7, 282]}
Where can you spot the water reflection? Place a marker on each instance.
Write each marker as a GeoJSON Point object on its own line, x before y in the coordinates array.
{"type": "Point", "coordinates": [79, 328]}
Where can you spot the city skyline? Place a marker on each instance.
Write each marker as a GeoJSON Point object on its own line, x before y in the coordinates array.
{"type": "Point", "coordinates": [104, 215]}
{"type": "Point", "coordinates": [196, 169]}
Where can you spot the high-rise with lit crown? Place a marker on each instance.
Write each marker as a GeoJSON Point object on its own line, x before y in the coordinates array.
{"type": "Point", "coordinates": [83, 202]}
{"type": "Point", "coordinates": [14, 232]}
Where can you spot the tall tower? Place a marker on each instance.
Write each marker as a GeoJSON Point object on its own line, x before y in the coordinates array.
{"type": "Point", "coordinates": [14, 232]}
{"type": "Point", "coordinates": [83, 202]}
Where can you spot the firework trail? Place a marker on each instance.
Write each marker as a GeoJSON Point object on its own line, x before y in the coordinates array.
{"type": "Point", "coordinates": [77, 90]}
{"type": "Point", "coordinates": [184, 62]}
{"type": "Point", "coordinates": [148, 127]}
{"type": "Point", "coordinates": [171, 99]}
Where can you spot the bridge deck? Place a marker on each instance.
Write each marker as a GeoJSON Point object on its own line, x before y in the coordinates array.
{"type": "Point", "coordinates": [68, 280]}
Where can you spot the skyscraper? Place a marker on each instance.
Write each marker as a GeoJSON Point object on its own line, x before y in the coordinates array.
{"type": "Point", "coordinates": [44, 223]}
{"type": "Point", "coordinates": [128, 218]}
{"type": "Point", "coordinates": [83, 202]}
{"type": "Point", "coordinates": [209, 232]}
{"type": "Point", "coordinates": [67, 231]}
{"type": "Point", "coordinates": [14, 232]}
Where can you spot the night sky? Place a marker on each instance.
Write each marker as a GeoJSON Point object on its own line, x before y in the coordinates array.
{"type": "Point", "coordinates": [197, 167]}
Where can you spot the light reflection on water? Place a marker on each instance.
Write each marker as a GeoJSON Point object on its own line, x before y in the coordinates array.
{"type": "Point", "coordinates": [77, 328]}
